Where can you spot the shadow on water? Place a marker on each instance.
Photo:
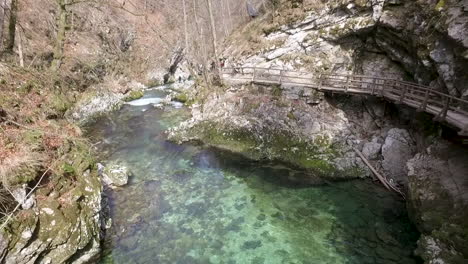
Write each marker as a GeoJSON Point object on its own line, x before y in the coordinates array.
{"type": "Point", "coordinates": [186, 204]}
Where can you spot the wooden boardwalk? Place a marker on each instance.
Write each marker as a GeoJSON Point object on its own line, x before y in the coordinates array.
{"type": "Point", "coordinates": [444, 107]}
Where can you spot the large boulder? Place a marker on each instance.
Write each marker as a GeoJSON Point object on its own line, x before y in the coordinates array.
{"type": "Point", "coordinates": [398, 148]}
{"type": "Point", "coordinates": [114, 175]}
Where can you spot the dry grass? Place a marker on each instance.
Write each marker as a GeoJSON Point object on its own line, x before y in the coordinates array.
{"type": "Point", "coordinates": [33, 133]}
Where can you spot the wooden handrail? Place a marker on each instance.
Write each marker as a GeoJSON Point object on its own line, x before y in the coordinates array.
{"type": "Point", "coordinates": [442, 105]}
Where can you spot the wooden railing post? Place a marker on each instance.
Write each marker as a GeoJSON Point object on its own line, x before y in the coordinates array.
{"type": "Point", "coordinates": [347, 84]}
{"type": "Point", "coordinates": [384, 84]}
{"type": "Point", "coordinates": [443, 113]}
{"type": "Point", "coordinates": [373, 86]}
{"type": "Point", "coordinates": [281, 76]}
{"type": "Point", "coordinates": [402, 96]}
{"type": "Point", "coordinates": [423, 106]}
{"type": "Point", "coordinates": [320, 82]}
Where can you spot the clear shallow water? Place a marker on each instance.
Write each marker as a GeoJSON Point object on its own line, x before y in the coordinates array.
{"type": "Point", "coordinates": [186, 204]}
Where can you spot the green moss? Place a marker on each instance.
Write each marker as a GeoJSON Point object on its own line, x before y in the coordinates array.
{"type": "Point", "coordinates": [291, 116]}
{"type": "Point", "coordinates": [181, 97]}
{"type": "Point", "coordinates": [68, 169]}
{"type": "Point", "coordinates": [440, 5]}
{"type": "Point", "coordinates": [60, 103]}
{"type": "Point", "coordinates": [29, 86]}
{"type": "Point", "coordinates": [276, 91]}
{"type": "Point", "coordinates": [133, 95]}
{"type": "Point", "coordinates": [250, 106]}
{"type": "Point", "coordinates": [33, 137]}
{"type": "Point", "coordinates": [154, 83]}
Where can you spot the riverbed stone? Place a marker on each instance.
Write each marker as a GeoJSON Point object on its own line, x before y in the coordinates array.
{"type": "Point", "coordinates": [115, 175]}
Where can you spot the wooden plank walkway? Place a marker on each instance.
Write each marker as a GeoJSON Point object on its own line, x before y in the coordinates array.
{"type": "Point", "coordinates": [445, 107]}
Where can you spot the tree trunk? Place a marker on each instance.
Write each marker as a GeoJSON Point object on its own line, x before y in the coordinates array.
{"type": "Point", "coordinates": [214, 39]}
{"type": "Point", "coordinates": [60, 41]}
{"type": "Point", "coordinates": [20, 48]}
{"type": "Point", "coordinates": [223, 10]}
{"type": "Point", "coordinates": [230, 15]}
{"type": "Point", "coordinates": [2, 21]}
{"type": "Point", "coordinates": [185, 26]}
{"type": "Point", "coordinates": [201, 44]}
{"type": "Point", "coordinates": [12, 26]}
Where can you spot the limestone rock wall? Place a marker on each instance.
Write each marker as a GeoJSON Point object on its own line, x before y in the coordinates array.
{"type": "Point", "coordinates": [423, 40]}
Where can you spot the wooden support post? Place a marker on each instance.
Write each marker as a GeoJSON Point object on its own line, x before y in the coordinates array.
{"type": "Point", "coordinates": [347, 84]}
{"type": "Point", "coordinates": [443, 113]}
{"type": "Point", "coordinates": [402, 96]}
{"type": "Point", "coordinates": [281, 76]}
{"type": "Point", "coordinates": [423, 106]}
{"type": "Point", "coordinates": [382, 88]}
{"type": "Point", "coordinates": [373, 86]}
{"type": "Point", "coordinates": [320, 82]}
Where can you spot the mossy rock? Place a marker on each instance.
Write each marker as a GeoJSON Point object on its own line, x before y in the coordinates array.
{"type": "Point", "coordinates": [60, 103]}
{"type": "Point", "coordinates": [181, 97]}
{"type": "Point", "coordinates": [134, 95]}
{"type": "Point", "coordinates": [154, 83]}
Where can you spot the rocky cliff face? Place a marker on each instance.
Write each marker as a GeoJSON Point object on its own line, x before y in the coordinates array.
{"type": "Point", "coordinates": [61, 223]}
{"type": "Point", "coordinates": [64, 226]}
{"type": "Point", "coordinates": [423, 41]}
{"type": "Point", "coordinates": [438, 201]}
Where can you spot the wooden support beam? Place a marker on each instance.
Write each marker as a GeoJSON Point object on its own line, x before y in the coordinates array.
{"type": "Point", "coordinates": [347, 84]}
{"type": "Point", "coordinates": [423, 106]}
{"type": "Point", "coordinates": [443, 113]}
{"type": "Point", "coordinates": [373, 86]}
{"type": "Point", "coordinates": [403, 93]}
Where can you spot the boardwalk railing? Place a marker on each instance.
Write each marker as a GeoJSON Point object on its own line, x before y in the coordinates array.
{"type": "Point", "coordinates": [445, 107]}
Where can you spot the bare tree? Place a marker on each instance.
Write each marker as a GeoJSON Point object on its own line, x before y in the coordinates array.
{"type": "Point", "coordinates": [185, 25]}
{"type": "Point", "coordinates": [60, 39]}
{"type": "Point", "coordinates": [213, 37]}
{"type": "Point", "coordinates": [3, 5]}
{"type": "Point", "coordinates": [12, 26]}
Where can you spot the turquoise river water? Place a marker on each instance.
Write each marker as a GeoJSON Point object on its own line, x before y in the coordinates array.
{"type": "Point", "coordinates": [188, 204]}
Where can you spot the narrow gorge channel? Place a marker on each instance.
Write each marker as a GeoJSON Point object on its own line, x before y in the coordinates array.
{"type": "Point", "coordinates": [190, 204]}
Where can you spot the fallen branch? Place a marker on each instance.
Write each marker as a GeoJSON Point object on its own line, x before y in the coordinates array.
{"type": "Point", "coordinates": [384, 181]}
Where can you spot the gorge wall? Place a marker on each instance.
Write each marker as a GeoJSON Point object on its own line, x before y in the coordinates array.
{"type": "Point", "coordinates": [419, 41]}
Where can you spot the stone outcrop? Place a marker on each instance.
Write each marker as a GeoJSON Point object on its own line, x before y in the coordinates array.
{"type": "Point", "coordinates": [423, 41]}
{"type": "Point", "coordinates": [438, 202]}
{"type": "Point", "coordinates": [267, 125]}
{"type": "Point", "coordinates": [63, 227]}
{"type": "Point", "coordinates": [398, 148]}
{"type": "Point", "coordinates": [61, 221]}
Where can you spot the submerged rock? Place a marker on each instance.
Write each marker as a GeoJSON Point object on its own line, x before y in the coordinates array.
{"type": "Point", "coordinates": [114, 175]}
